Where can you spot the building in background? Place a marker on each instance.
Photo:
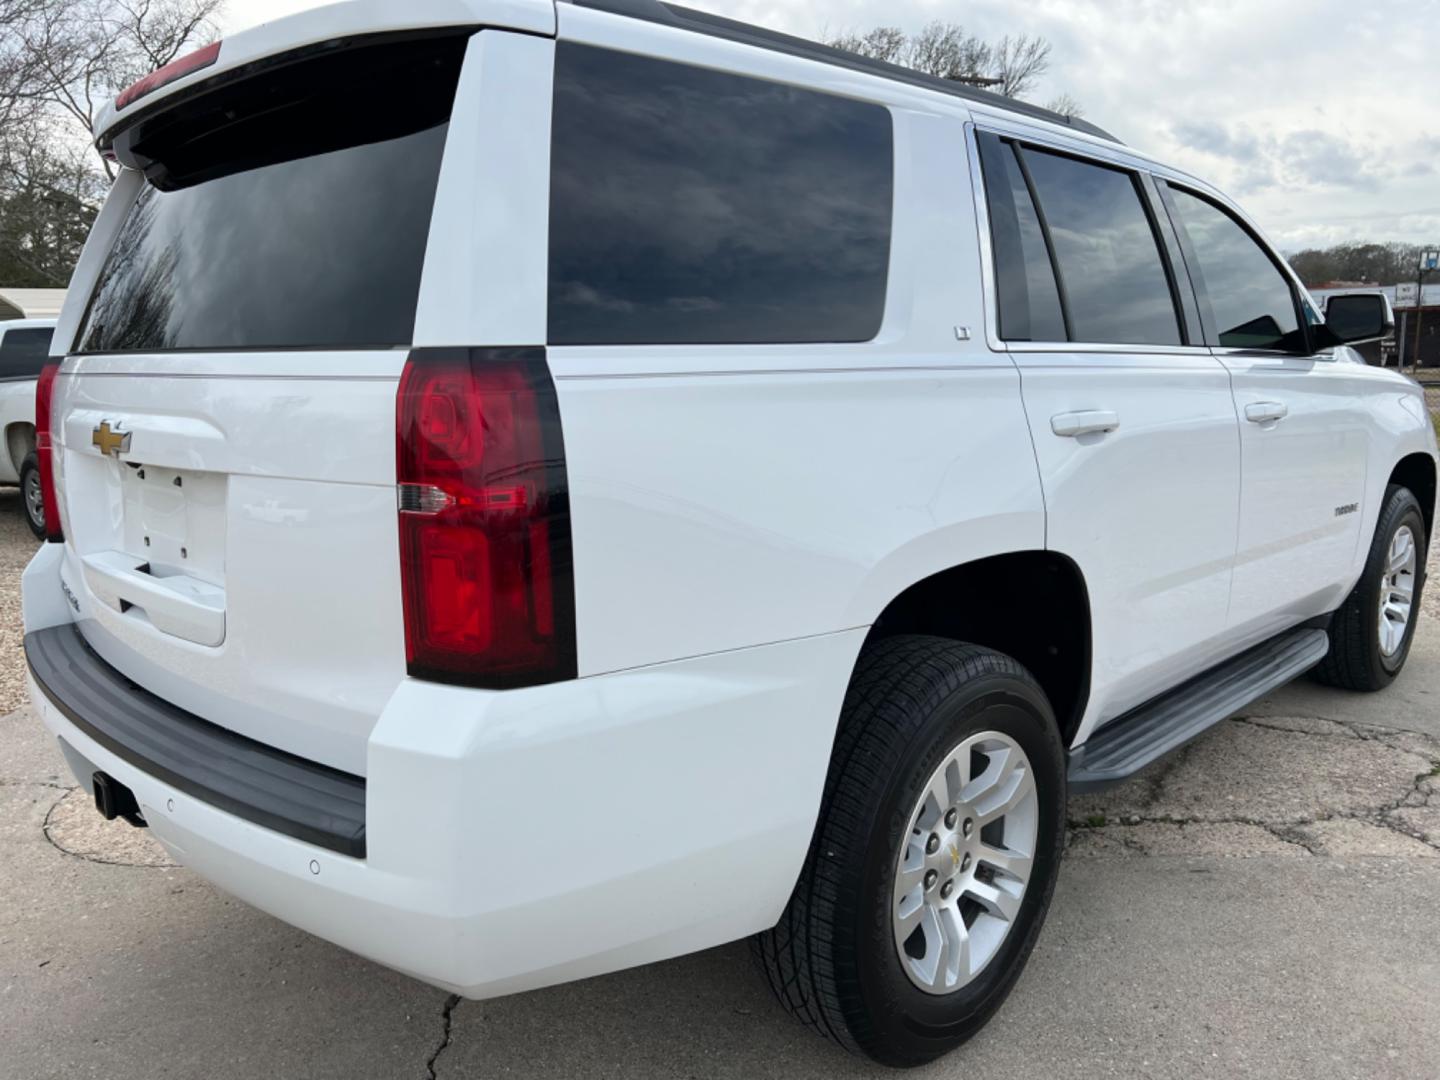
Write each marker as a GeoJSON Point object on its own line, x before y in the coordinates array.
{"type": "Point", "coordinates": [30, 303]}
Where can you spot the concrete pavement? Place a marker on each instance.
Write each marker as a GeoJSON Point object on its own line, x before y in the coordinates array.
{"type": "Point", "coordinates": [1266, 903]}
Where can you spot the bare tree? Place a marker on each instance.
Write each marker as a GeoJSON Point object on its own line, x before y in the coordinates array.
{"type": "Point", "coordinates": [883, 43]}
{"type": "Point", "coordinates": [946, 50]}
{"type": "Point", "coordinates": [1018, 62]}
{"type": "Point", "coordinates": [1066, 106]}
{"type": "Point", "coordinates": [1373, 263]}
{"type": "Point", "coordinates": [1010, 66]}
{"type": "Point", "coordinates": [941, 49]}
{"type": "Point", "coordinates": [60, 60]}
{"type": "Point", "coordinates": [15, 64]}
{"type": "Point", "coordinates": [73, 55]}
{"type": "Point", "coordinates": [50, 192]}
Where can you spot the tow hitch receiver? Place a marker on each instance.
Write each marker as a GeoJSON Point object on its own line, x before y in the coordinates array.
{"type": "Point", "coordinates": [113, 799]}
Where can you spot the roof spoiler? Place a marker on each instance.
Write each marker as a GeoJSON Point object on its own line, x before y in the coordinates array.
{"type": "Point", "coordinates": [307, 33]}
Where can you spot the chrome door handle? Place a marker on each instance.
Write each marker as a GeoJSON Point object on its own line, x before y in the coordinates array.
{"type": "Point", "coordinates": [1089, 422]}
{"type": "Point", "coordinates": [1264, 412]}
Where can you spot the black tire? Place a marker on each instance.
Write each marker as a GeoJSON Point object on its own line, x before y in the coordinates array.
{"type": "Point", "coordinates": [832, 959]}
{"type": "Point", "coordinates": [33, 510]}
{"type": "Point", "coordinates": [1356, 660]}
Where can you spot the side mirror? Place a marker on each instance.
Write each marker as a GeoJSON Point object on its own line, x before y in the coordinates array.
{"type": "Point", "coordinates": [1358, 317]}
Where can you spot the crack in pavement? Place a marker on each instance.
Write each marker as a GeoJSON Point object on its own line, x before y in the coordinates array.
{"type": "Point", "coordinates": [6, 781]}
{"type": "Point", "coordinates": [447, 1016]}
{"type": "Point", "coordinates": [1292, 837]}
{"type": "Point", "coordinates": [1353, 729]}
{"type": "Point", "coordinates": [1167, 769]}
{"type": "Point", "coordinates": [1260, 722]}
{"type": "Point", "coordinates": [54, 829]}
{"type": "Point", "coordinates": [1295, 830]}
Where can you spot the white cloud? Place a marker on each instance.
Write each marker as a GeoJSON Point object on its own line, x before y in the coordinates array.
{"type": "Point", "coordinates": [1319, 116]}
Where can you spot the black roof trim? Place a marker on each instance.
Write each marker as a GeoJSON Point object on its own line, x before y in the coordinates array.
{"type": "Point", "coordinates": [701, 22]}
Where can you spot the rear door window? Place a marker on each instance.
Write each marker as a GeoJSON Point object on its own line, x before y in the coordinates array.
{"type": "Point", "coordinates": [290, 210]}
{"type": "Point", "coordinates": [1113, 276]}
{"type": "Point", "coordinates": [23, 351]}
{"type": "Point", "coordinates": [691, 206]}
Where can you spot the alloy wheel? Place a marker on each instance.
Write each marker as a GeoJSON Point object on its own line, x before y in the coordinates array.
{"type": "Point", "coordinates": [34, 499]}
{"type": "Point", "coordinates": [965, 862]}
{"type": "Point", "coordinates": [1397, 590]}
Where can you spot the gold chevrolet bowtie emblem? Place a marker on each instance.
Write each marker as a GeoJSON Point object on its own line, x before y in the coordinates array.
{"type": "Point", "coordinates": [955, 857]}
{"type": "Point", "coordinates": [110, 442]}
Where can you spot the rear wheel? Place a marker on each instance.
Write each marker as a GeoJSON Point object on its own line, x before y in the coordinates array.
{"type": "Point", "coordinates": [934, 857]}
{"type": "Point", "coordinates": [1370, 635]}
{"type": "Point", "coordinates": [32, 499]}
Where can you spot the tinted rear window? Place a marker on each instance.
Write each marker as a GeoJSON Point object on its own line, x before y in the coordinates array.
{"type": "Point", "coordinates": [693, 206]}
{"type": "Point", "coordinates": [289, 211]}
{"type": "Point", "coordinates": [1116, 288]}
{"type": "Point", "coordinates": [23, 352]}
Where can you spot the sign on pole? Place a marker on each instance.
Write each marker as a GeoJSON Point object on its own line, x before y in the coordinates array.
{"type": "Point", "coordinates": [1429, 262]}
{"type": "Point", "coordinates": [1406, 294]}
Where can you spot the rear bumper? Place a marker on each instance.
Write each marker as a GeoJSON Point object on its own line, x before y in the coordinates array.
{"type": "Point", "coordinates": [280, 791]}
{"type": "Point", "coordinates": [522, 838]}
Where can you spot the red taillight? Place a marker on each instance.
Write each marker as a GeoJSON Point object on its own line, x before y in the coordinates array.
{"type": "Point", "coordinates": [484, 519]}
{"type": "Point", "coordinates": [44, 450]}
{"type": "Point", "coordinates": [176, 69]}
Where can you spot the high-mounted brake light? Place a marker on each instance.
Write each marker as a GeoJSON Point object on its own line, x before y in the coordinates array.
{"type": "Point", "coordinates": [176, 69]}
{"type": "Point", "coordinates": [484, 519]}
{"type": "Point", "coordinates": [44, 450]}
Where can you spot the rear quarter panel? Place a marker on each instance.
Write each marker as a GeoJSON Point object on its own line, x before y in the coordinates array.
{"type": "Point", "coordinates": [718, 511]}
{"type": "Point", "coordinates": [730, 496]}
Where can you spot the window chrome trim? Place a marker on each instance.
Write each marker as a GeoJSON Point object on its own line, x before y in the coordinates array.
{"type": "Point", "coordinates": [1267, 354]}
{"type": "Point", "coordinates": [991, 300]}
{"type": "Point", "coordinates": [1103, 347]}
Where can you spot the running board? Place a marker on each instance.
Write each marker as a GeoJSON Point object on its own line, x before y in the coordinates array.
{"type": "Point", "coordinates": [1126, 745]}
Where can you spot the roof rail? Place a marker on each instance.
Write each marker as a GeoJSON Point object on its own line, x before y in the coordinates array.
{"type": "Point", "coordinates": [700, 22]}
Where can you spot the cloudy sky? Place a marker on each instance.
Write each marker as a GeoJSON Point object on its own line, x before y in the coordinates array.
{"type": "Point", "coordinates": [1321, 117]}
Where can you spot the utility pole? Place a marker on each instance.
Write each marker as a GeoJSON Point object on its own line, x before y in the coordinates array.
{"type": "Point", "coordinates": [1429, 263]}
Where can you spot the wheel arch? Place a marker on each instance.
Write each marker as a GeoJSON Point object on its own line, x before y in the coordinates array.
{"type": "Point", "coordinates": [1417, 473]}
{"type": "Point", "coordinates": [19, 441]}
{"type": "Point", "coordinates": [1000, 602]}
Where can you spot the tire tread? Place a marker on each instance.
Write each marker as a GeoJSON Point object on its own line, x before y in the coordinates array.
{"type": "Point", "coordinates": [895, 681]}
{"type": "Point", "coordinates": [1352, 663]}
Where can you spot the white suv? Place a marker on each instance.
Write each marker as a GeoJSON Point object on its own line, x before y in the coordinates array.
{"type": "Point", "coordinates": [24, 348]}
{"type": "Point", "coordinates": [545, 487]}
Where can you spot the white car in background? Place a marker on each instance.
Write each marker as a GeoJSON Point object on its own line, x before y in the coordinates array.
{"type": "Point", "coordinates": [24, 348]}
